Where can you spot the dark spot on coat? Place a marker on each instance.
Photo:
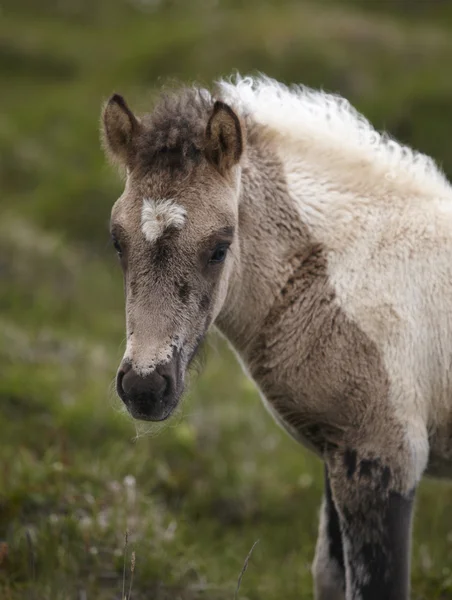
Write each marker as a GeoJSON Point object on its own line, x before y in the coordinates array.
{"type": "Point", "coordinates": [161, 253]}
{"type": "Point", "coordinates": [365, 467]}
{"type": "Point", "coordinates": [386, 477]}
{"type": "Point", "coordinates": [350, 458]}
{"type": "Point", "coordinates": [372, 468]}
{"type": "Point", "coordinates": [184, 291]}
{"type": "Point", "coordinates": [133, 288]}
{"type": "Point", "coordinates": [313, 432]}
{"type": "Point", "coordinates": [205, 302]}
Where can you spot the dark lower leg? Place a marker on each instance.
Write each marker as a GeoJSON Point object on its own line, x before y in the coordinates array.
{"type": "Point", "coordinates": [376, 529]}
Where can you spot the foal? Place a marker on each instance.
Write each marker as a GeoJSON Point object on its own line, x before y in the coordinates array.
{"type": "Point", "coordinates": [322, 250]}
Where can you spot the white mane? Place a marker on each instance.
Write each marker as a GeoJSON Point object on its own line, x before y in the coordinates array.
{"type": "Point", "coordinates": [319, 118]}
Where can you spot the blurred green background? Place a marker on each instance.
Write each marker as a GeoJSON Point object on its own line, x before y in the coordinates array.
{"type": "Point", "coordinates": [75, 473]}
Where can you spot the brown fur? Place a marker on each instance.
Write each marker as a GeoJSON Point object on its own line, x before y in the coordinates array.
{"type": "Point", "coordinates": [171, 137]}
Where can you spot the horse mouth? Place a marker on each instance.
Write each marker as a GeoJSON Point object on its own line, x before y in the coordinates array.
{"type": "Point", "coordinates": [150, 410]}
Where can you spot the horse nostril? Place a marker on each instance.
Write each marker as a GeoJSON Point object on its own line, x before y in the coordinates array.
{"type": "Point", "coordinates": [126, 367]}
{"type": "Point", "coordinates": [119, 383]}
{"type": "Point", "coordinates": [167, 385]}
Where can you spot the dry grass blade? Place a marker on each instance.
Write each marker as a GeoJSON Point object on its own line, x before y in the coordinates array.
{"type": "Point", "coordinates": [244, 568]}
{"type": "Point", "coordinates": [126, 539]}
{"type": "Point", "coordinates": [132, 569]}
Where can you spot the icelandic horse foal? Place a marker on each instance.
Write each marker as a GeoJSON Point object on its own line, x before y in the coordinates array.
{"type": "Point", "coordinates": [322, 250]}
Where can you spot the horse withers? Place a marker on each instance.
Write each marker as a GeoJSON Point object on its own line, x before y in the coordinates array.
{"type": "Point", "coordinates": [322, 250]}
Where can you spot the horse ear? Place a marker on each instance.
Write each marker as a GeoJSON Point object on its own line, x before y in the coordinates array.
{"type": "Point", "coordinates": [119, 129]}
{"type": "Point", "coordinates": [224, 137]}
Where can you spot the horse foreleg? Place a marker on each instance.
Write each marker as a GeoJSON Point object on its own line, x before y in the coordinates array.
{"type": "Point", "coordinates": [328, 567]}
{"type": "Point", "coordinates": [375, 517]}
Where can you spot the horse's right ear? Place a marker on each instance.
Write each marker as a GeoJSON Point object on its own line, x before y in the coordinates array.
{"type": "Point", "coordinates": [224, 137]}
{"type": "Point", "coordinates": [119, 130]}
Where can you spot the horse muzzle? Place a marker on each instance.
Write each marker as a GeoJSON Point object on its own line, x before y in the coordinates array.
{"type": "Point", "coordinates": [150, 397]}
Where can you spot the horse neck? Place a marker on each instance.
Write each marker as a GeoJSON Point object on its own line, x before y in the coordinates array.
{"type": "Point", "coordinates": [271, 237]}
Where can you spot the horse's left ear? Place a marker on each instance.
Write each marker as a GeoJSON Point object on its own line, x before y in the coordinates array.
{"type": "Point", "coordinates": [224, 137]}
{"type": "Point", "coordinates": [120, 128]}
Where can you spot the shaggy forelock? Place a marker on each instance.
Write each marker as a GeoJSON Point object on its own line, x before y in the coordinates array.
{"type": "Point", "coordinates": [174, 131]}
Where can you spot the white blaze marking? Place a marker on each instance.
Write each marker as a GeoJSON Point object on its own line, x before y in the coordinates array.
{"type": "Point", "coordinates": [158, 215]}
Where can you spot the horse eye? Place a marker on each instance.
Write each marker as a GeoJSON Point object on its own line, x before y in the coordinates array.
{"type": "Point", "coordinates": [117, 246]}
{"type": "Point", "coordinates": [219, 254]}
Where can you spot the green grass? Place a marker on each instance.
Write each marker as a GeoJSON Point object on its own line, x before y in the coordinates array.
{"type": "Point", "coordinates": [75, 473]}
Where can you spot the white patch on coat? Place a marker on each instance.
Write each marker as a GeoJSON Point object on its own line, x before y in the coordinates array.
{"type": "Point", "coordinates": [158, 215]}
{"type": "Point", "coordinates": [328, 121]}
{"type": "Point", "coordinates": [383, 213]}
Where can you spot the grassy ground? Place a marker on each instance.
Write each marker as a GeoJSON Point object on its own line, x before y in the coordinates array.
{"type": "Point", "coordinates": [75, 473]}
